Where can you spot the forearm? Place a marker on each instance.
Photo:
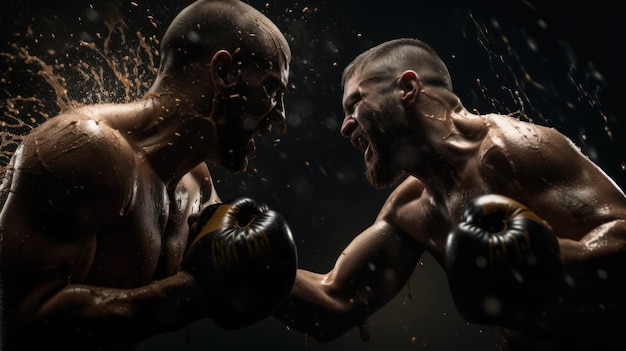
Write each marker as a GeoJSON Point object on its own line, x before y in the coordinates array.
{"type": "Point", "coordinates": [314, 309]}
{"type": "Point", "coordinates": [93, 315]}
{"type": "Point", "coordinates": [325, 306]}
{"type": "Point", "coordinates": [593, 283]}
{"type": "Point", "coordinates": [368, 274]}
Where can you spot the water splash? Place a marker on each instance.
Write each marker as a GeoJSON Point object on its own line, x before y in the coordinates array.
{"type": "Point", "coordinates": [541, 80]}
{"type": "Point", "coordinates": [39, 82]}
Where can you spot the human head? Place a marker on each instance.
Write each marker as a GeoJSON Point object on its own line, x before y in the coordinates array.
{"type": "Point", "coordinates": [393, 57]}
{"type": "Point", "coordinates": [378, 119]}
{"type": "Point", "coordinates": [231, 63]}
{"type": "Point", "coordinates": [208, 26]}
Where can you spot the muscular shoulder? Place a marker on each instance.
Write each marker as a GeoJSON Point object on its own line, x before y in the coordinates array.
{"type": "Point", "coordinates": [72, 146]}
{"type": "Point", "coordinates": [407, 200]}
{"type": "Point", "coordinates": [412, 209]}
{"type": "Point", "coordinates": [73, 161]}
{"type": "Point", "coordinates": [537, 165]}
{"type": "Point", "coordinates": [409, 190]}
{"type": "Point", "coordinates": [515, 147]}
{"type": "Point", "coordinates": [526, 138]}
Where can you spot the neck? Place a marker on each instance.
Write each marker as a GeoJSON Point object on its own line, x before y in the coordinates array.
{"type": "Point", "coordinates": [177, 139]}
{"type": "Point", "coordinates": [453, 139]}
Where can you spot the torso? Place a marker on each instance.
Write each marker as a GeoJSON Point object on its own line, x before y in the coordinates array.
{"type": "Point", "coordinates": [150, 238]}
{"type": "Point", "coordinates": [123, 232]}
{"type": "Point", "coordinates": [147, 241]}
{"type": "Point", "coordinates": [529, 163]}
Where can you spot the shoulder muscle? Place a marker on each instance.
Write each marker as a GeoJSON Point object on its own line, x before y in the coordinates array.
{"type": "Point", "coordinates": [75, 166]}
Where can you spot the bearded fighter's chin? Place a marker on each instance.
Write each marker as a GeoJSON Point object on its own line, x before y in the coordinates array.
{"type": "Point", "coordinates": [381, 175]}
{"type": "Point", "coordinates": [368, 155]}
{"type": "Point", "coordinates": [380, 181]}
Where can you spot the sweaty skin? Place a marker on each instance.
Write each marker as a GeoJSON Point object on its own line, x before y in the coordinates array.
{"type": "Point", "coordinates": [96, 201]}
{"type": "Point", "coordinates": [415, 133]}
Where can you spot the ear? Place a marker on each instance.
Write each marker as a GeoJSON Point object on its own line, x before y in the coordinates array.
{"type": "Point", "coordinates": [221, 63]}
{"type": "Point", "coordinates": [410, 84]}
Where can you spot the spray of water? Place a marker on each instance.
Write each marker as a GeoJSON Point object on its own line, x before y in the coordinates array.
{"type": "Point", "coordinates": [103, 66]}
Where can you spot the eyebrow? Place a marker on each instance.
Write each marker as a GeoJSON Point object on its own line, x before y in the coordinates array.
{"type": "Point", "coordinates": [356, 95]}
{"type": "Point", "coordinates": [277, 80]}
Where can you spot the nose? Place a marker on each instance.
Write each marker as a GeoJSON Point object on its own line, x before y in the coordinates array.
{"type": "Point", "coordinates": [348, 126]}
{"type": "Point", "coordinates": [277, 114]}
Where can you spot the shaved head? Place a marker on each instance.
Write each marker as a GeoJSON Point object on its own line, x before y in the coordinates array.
{"type": "Point", "coordinates": [207, 26]}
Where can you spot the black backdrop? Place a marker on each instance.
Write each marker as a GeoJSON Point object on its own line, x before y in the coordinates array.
{"type": "Point", "coordinates": [552, 60]}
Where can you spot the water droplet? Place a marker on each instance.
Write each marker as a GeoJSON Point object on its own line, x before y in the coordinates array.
{"type": "Point", "coordinates": [363, 333]}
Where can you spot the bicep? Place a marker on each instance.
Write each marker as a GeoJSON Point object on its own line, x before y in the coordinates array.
{"type": "Point", "coordinates": [383, 257]}
{"type": "Point", "coordinates": [377, 264]}
{"type": "Point", "coordinates": [45, 250]}
{"type": "Point", "coordinates": [570, 191]}
{"type": "Point", "coordinates": [205, 181]}
{"type": "Point", "coordinates": [62, 190]}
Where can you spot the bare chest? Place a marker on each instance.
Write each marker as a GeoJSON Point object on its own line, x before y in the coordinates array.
{"type": "Point", "coordinates": [148, 241]}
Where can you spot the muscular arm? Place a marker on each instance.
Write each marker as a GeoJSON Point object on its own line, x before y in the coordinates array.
{"type": "Point", "coordinates": [202, 177]}
{"type": "Point", "coordinates": [588, 215]}
{"type": "Point", "coordinates": [68, 182]}
{"type": "Point", "coordinates": [369, 273]}
{"type": "Point", "coordinates": [594, 281]}
{"type": "Point", "coordinates": [590, 297]}
{"type": "Point", "coordinates": [106, 317]}
{"type": "Point", "coordinates": [587, 212]}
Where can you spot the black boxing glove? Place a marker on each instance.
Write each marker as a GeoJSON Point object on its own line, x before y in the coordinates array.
{"type": "Point", "coordinates": [503, 264]}
{"type": "Point", "coordinates": [245, 257]}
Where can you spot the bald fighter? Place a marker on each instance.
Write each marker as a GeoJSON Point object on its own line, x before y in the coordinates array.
{"type": "Point", "coordinates": [97, 250]}
{"type": "Point", "coordinates": [531, 233]}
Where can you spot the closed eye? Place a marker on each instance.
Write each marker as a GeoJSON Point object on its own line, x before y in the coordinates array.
{"type": "Point", "coordinates": [351, 103]}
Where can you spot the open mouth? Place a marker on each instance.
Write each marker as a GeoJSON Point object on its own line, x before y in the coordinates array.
{"type": "Point", "coordinates": [360, 141]}
{"type": "Point", "coordinates": [262, 130]}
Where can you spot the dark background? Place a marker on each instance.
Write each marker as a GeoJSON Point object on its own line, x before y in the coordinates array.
{"type": "Point", "coordinates": [551, 60]}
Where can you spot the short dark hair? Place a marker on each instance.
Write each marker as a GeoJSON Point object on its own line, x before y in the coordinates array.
{"type": "Point", "coordinates": [400, 55]}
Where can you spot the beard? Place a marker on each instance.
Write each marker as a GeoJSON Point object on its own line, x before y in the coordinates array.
{"type": "Point", "coordinates": [234, 155]}
{"type": "Point", "coordinates": [390, 143]}
{"type": "Point", "coordinates": [234, 132]}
